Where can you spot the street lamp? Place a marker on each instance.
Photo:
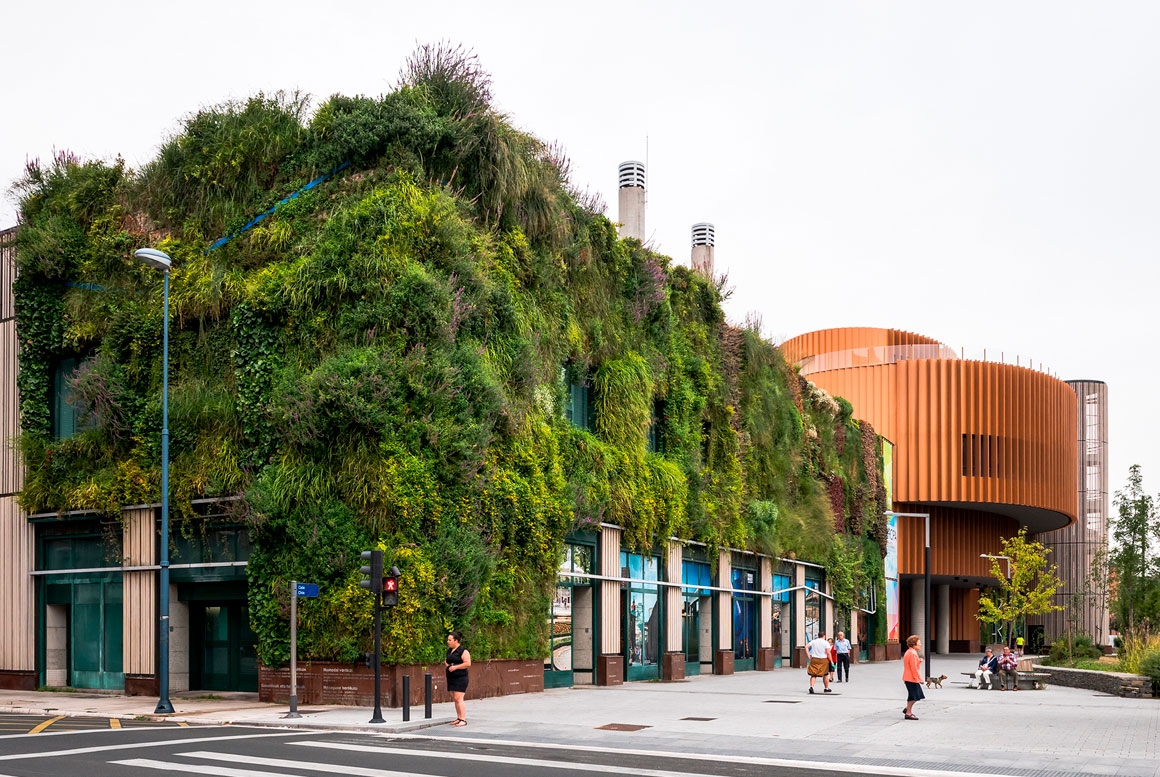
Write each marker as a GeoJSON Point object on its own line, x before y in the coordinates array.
{"type": "Point", "coordinates": [926, 585]}
{"type": "Point", "coordinates": [1005, 558]}
{"type": "Point", "coordinates": [159, 260]}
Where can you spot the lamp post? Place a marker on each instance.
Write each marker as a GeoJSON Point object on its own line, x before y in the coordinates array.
{"type": "Point", "coordinates": [1005, 558]}
{"type": "Point", "coordinates": [159, 260]}
{"type": "Point", "coordinates": [926, 586]}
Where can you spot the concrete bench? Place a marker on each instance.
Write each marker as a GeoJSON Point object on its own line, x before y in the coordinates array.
{"type": "Point", "coordinates": [1032, 680]}
{"type": "Point", "coordinates": [971, 682]}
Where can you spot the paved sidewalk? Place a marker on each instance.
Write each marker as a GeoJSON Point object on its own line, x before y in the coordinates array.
{"type": "Point", "coordinates": [1055, 731]}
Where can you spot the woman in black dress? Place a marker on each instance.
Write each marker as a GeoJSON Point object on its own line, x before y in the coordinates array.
{"type": "Point", "coordinates": [458, 660]}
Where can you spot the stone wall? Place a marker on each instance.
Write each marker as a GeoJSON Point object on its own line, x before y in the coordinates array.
{"type": "Point", "coordinates": [1114, 683]}
{"type": "Point", "coordinates": [324, 682]}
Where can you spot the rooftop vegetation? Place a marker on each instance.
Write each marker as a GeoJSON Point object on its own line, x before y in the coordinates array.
{"type": "Point", "coordinates": [386, 359]}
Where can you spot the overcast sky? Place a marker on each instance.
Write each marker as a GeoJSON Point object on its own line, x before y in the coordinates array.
{"type": "Point", "coordinates": [984, 173]}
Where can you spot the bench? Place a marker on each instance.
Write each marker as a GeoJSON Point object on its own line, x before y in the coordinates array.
{"type": "Point", "coordinates": [971, 681]}
{"type": "Point", "coordinates": [1029, 680]}
{"type": "Point", "coordinates": [1032, 680]}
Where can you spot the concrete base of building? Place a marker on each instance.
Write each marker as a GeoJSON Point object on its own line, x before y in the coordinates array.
{"type": "Point", "coordinates": [673, 667]}
{"type": "Point", "coordinates": [765, 659]}
{"type": "Point", "coordinates": [723, 663]}
{"type": "Point", "coordinates": [12, 680]}
{"type": "Point", "coordinates": [610, 669]}
{"type": "Point", "coordinates": [326, 682]}
{"type": "Point", "coordinates": [142, 685]}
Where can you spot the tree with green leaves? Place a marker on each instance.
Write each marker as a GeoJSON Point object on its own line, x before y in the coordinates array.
{"type": "Point", "coordinates": [1135, 556]}
{"type": "Point", "coordinates": [1027, 582]}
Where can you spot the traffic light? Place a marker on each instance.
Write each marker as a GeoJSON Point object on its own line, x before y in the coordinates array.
{"type": "Point", "coordinates": [391, 588]}
{"type": "Point", "coordinates": [373, 574]}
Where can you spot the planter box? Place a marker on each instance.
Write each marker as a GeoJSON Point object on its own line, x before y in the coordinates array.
{"type": "Point", "coordinates": [326, 682]}
{"type": "Point", "coordinates": [1114, 683]}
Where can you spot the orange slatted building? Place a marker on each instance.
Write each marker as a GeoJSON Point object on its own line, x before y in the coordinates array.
{"type": "Point", "coordinates": [983, 447]}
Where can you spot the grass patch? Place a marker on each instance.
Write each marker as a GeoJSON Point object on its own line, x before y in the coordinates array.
{"type": "Point", "coordinates": [1105, 664]}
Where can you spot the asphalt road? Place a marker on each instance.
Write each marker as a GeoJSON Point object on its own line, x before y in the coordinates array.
{"type": "Point", "coordinates": [229, 751]}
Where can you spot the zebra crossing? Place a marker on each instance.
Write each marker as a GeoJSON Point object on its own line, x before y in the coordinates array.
{"type": "Point", "coordinates": [408, 761]}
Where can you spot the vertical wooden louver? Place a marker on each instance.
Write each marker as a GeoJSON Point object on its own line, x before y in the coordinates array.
{"type": "Point", "coordinates": [17, 546]}
{"type": "Point", "coordinates": [967, 433]}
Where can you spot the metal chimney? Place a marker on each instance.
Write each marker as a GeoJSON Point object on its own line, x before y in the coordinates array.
{"type": "Point", "coordinates": [704, 237]}
{"type": "Point", "coordinates": [632, 197]}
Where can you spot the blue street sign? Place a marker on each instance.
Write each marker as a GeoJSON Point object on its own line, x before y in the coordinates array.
{"type": "Point", "coordinates": [307, 590]}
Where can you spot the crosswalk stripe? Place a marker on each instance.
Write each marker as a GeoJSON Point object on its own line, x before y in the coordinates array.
{"type": "Point", "coordinates": [496, 759]}
{"type": "Point", "coordinates": [42, 726]}
{"type": "Point", "coordinates": [287, 763]}
{"type": "Point", "coordinates": [114, 723]}
{"type": "Point", "coordinates": [216, 771]}
{"type": "Point", "coordinates": [138, 745]}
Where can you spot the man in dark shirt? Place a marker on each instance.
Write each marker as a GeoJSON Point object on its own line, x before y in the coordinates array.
{"type": "Point", "coordinates": [842, 647]}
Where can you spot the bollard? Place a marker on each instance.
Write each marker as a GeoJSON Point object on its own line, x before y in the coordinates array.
{"type": "Point", "coordinates": [427, 696]}
{"type": "Point", "coordinates": [406, 697]}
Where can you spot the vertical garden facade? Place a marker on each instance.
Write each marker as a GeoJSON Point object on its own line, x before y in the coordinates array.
{"type": "Point", "coordinates": [395, 324]}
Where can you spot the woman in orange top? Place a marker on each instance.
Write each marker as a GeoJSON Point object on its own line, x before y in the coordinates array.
{"type": "Point", "coordinates": [912, 676]}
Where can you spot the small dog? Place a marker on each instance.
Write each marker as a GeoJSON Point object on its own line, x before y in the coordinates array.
{"type": "Point", "coordinates": [935, 681]}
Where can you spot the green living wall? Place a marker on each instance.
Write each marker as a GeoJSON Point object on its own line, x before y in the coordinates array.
{"type": "Point", "coordinates": [389, 358]}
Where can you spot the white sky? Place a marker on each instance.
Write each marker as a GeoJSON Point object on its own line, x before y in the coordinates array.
{"type": "Point", "coordinates": [983, 173]}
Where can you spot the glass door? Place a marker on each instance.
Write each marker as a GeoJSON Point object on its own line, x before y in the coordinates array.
{"type": "Point", "coordinates": [744, 620]}
{"type": "Point", "coordinates": [571, 614]}
{"type": "Point", "coordinates": [696, 613]}
{"type": "Point", "coordinates": [780, 613]}
{"type": "Point", "coordinates": [642, 616]}
{"type": "Point", "coordinates": [226, 656]}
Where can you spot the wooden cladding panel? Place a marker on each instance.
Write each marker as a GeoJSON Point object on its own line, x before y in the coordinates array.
{"type": "Point", "coordinates": [673, 565]}
{"type": "Point", "coordinates": [963, 623]}
{"type": "Point", "coordinates": [11, 470]}
{"type": "Point", "coordinates": [17, 600]}
{"type": "Point", "coordinates": [610, 624]}
{"type": "Point", "coordinates": [957, 538]}
{"type": "Point", "coordinates": [139, 593]}
{"type": "Point", "coordinates": [7, 272]}
{"type": "Point", "coordinates": [1022, 422]}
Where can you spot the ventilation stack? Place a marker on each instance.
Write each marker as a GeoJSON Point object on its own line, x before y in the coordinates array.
{"type": "Point", "coordinates": [704, 236]}
{"type": "Point", "coordinates": [632, 193]}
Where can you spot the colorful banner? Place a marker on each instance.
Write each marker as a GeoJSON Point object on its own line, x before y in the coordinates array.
{"type": "Point", "coordinates": [891, 561]}
{"type": "Point", "coordinates": [891, 610]}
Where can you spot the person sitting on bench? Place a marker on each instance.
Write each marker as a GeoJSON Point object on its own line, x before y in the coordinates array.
{"type": "Point", "coordinates": [1008, 663]}
{"type": "Point", "coordinates": [987, 666]}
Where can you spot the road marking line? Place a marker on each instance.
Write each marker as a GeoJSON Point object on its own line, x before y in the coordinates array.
{"type": "Point", "coordinates": [114, 723]}
{"type": "Point", "coordinates": [182, 724]}
{"type": "Point", "coordinates": [42, 726]}
{"type": "Point", "coordinates": [134, 746]}
{"type": "Point", "coordinates": [891, 771]}
{"type": "Point", "coordinates": [496, 759]}
{"type": "Point", "coordinates": [218, 771]}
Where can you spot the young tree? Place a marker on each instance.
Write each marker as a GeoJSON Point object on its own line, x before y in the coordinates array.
{"type": "Point", "coordinates": [1134, 558]}
{"type": "Point", "coordinates": [1027, 583]}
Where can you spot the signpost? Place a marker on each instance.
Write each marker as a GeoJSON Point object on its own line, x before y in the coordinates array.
{"type": "Point", "coordinates": [307, 591]}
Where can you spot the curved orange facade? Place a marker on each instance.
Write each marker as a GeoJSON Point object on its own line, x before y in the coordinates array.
{"type": "Point", "coordinates": [981, 447]}
{"type": "Point", "coordinates": [967, 434]}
